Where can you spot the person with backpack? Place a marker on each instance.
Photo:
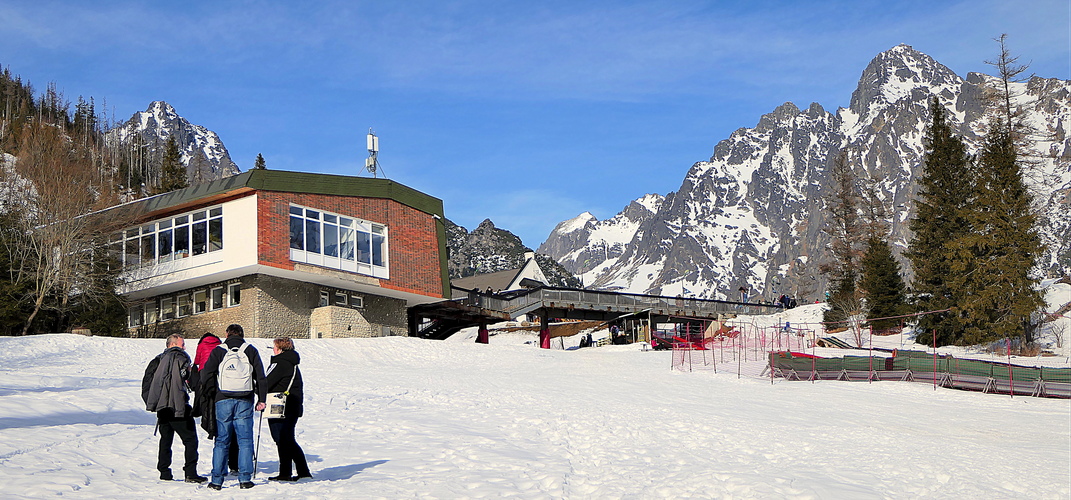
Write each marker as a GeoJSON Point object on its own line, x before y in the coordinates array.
{"type": "Point", "coordinates": [235, 370]}
{"type": "Point", "coordinates": [205, 403]}
{"type": "Point", "coordinates": [284, 376]}
{"type": "Point", "coordinates": [164, 388]}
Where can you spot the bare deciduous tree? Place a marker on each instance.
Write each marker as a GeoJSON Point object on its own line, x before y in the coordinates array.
{"type": "Point", "coordinates": [60, 226]}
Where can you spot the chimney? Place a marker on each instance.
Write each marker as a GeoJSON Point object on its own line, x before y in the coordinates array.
{"type": "Point", "coordinates": [529, 256]}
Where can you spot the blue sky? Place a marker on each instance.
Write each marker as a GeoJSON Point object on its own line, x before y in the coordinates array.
{"type": "Point", "coordinates": [527, 113]}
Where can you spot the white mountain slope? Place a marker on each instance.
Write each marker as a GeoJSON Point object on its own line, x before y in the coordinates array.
{"type": "Point", "coordinates": [753, 214]}
{"type": "Point", "coordinates": [593, 245]}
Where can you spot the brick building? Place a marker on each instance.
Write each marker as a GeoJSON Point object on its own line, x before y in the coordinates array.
{"type": "Point", "coordinates": [283, 253]}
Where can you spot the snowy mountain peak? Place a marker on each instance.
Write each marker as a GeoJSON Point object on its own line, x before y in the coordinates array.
{"type": "Point", "coordinates": [651, 201]}
{"type": "Point", "coordinates": [202, 151]}
{"type": "Point", "coordinates": [898, 73]}
{"type": "Point", "coordinates": [575, 224]}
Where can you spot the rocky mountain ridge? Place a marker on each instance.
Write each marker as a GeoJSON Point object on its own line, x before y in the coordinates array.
{"type": "Point", "coordinates": [488, 249]}
{"type": "Point", "coordinates": [202, 151]}
{"type": "Point", "coordinates": [752, 215]}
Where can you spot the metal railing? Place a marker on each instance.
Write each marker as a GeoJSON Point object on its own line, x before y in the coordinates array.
{"type": "Point", "coordinates": [595, 299]}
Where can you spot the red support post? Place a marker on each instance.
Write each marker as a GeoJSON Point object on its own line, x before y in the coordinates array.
{"type": "Point", "coordinates": [935, 359]}
{"type": "Point", "coordinates": [1011, 376]}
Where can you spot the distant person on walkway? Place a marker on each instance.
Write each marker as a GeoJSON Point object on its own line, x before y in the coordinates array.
{"type": "Point", "coordinates": [165, 389]}
{"type": "Point", "coordinates": [238, 376]}
{"type": "Point", "coordinates": [284, 375]}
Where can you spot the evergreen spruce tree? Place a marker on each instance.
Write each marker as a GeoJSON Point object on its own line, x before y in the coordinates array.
{"type": "Point", "coordinates": [260, 164]}
{"type": "Point", "coordinates": [172, 172]}
{"type": "Point", "coordinates": [882, 284]}
{"type": "Point", "coordinates": [940, 209]}
{"type": "Point", "coordinates": [995, 257]}
{"type": "Point", "coordinates": [846, 232]}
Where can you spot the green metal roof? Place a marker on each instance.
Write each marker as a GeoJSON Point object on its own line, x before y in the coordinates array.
{"type": "Point", "coordinates": [300, 182]}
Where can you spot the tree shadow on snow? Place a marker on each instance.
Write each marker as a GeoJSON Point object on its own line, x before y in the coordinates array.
{"type": "Point", "coordinates": [77, 385]}
{"type": "Point", "coordinates": [128, 417]}
{"type": "Point", "coordinates": [344, 471]}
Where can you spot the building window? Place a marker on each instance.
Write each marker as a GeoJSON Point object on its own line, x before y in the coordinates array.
{"type": "Point", "coordinates": [151, 313]}
{"type": "Point", "coordinates": [341, 299]}
{"type": "Point", "coordinates": [200, 302]}
{"type": "Point", "coordinates": [134, 315]}
{"type": "Point", "coordinates": [215, 298]}
{"type": "Point", "coordinates": [325, 298]}
{"type": "Point", "coordinates": [234, 294]}
{"type": "Point", "coordinates": [340, 242]}
{"type": "Point", "coordinates": [170, 239]}
{"type": "Point", "coordinates": [184, 308]}
{"type": "Point", "coordinates": [356, 301]}
{"type": "Point", "coordinates": [167, 308]}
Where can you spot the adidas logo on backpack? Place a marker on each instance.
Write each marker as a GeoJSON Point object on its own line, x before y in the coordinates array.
{"type": "Point", "coordinates": [235, 371]}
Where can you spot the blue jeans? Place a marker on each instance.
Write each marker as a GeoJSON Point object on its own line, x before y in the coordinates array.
{"type": "Point", "coordinates": [234, 420]}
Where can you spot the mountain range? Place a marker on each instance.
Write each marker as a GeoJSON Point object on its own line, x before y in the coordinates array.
{"type": "Point", "coordinates": [751, 217]}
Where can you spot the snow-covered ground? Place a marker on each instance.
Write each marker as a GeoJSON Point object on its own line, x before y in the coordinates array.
{"type": "Point", "coordinates": [406, 418]}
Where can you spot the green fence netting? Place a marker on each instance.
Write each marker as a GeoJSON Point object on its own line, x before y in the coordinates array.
{"type": "Point", "coordinates": [922, 362]}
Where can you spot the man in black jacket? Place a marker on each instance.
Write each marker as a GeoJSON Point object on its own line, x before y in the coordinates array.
{"type": "Point", "coordinates": [234, 410]}
{"type": "Point", "coordinates": [164, 388]}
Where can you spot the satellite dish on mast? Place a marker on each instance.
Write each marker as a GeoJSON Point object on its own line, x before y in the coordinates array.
{"type": "Point", "coordinates": [371, 164]}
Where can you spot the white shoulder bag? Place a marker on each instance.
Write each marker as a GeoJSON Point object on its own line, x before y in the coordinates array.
{"type": "Point", "coordinates": [276, 403]}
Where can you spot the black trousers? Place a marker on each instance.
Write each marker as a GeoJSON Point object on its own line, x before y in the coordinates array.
{"type": "Point", "coordinates": [291, 457]}
{"type": "Point", "coordinates": [187, 431]}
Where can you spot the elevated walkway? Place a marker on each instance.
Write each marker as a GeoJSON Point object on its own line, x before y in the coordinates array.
{"type": "Point", "coordinates": [431, 320]}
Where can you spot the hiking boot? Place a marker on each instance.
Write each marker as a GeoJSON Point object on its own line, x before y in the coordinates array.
{"type": "Point", "coordinates": [214, 486]}
{"type": "Point", "coordinates": [282, 478]}
{"type": "Point", "coordinates": [196, 479]}
{"type": "Point", "coordinates": [246, 485]}
{"type": "Point", "coordinates": [302, 476]}
{"type": "Point", "coordinates": [165, 475]}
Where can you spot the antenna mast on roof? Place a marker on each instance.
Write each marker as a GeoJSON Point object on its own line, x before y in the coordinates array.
{"type": "Point", "coordinates": [371, 164]}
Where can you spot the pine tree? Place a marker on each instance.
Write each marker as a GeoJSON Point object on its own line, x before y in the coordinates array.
{"type": "Point", "coordinates": [944, 191]}
{"type": "Point", "coordinates": [882, 284]}
{"type": "Point", "coordinates": [259, 165]}
{"type": "Point", "coordinates": [173, 172]}
{"type": "Point", "coordinates": [845, 232]}
{"type": "Point", "coordinates": [996, 256]}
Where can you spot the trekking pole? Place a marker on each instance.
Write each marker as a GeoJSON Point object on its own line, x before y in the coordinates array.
{"type": "Point", "coordinates": [256, 453]}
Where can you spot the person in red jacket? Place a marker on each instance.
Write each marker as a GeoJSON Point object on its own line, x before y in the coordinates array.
{"type": "Point", "coordinates": [208, 342]}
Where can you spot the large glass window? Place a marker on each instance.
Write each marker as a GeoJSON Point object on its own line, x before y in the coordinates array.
{"type": "Point", "coordinates": [352, 242]}
{"type": "Point", "coordinates": [173, 238]}
{"type": "Point", "coordinates": [182, 237]}
{"type": "Point", "coordinates": [165, 241]}
{"type": "Point", "coordinates": [312, 235]}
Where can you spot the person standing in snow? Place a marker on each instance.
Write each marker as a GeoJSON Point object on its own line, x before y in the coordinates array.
{"type": "Point", "coordinates": [164, 388]}
{"type": "Point", "coordinates": [234, 409]}
{"type": "Point", "coordinates": [284, 376]}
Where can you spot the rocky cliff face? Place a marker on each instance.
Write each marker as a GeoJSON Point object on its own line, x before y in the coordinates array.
{"type": "Point", "coordinates": [203, 153]}
{"type": "Point", "coordinates": [488, 249]}
{"type": "Point", "coordinates": [753, 214]}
